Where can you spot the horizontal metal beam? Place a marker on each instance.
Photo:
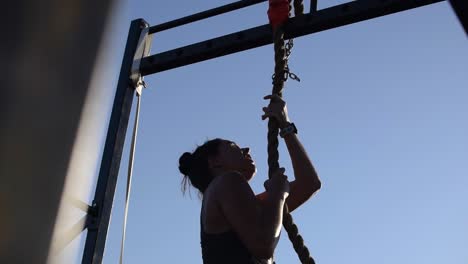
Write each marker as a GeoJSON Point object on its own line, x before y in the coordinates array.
{"type": "Point", "coordinates": [321, 20]}
{"type": "Point", "coordinates": [461, 9]}
{"type": "Point", "coordinates": [203, 15]}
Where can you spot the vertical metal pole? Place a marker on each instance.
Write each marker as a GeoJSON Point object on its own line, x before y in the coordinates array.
{"type": "Point", "coordinates": [99, 217]}
{"type": "Point", "coordinates": [313, 6]}
{"type": "Point", "coordinates": [461, 9]}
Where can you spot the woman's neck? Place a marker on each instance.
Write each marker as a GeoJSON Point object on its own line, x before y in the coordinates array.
{"type": "Point", "coordinates": [222, 171]}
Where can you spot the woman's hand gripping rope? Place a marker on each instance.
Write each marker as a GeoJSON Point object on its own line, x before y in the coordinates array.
{"type": "Point", "coordinates": [277, 109]}
{"type": "Point", "coordinates": [278, 185]}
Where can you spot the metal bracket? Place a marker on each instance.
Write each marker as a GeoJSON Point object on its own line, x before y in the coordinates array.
{"type": "Point", "coordinates": [142, 51]}
{"type": "Point", "coordinates": [92, 217]}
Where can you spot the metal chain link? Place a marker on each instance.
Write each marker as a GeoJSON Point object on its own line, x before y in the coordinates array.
{"type": "Point", "coordinates": [286, 73]}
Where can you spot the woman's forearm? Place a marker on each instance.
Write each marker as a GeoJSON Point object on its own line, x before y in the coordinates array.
{"type": "Point", "coordinates": [304, 171]}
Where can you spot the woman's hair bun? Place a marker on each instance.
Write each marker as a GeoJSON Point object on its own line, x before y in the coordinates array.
{"type": "Point", "coordinates": [185, 163]}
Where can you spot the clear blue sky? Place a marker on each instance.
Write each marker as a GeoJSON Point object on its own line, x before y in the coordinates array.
{"type": "Point", "coordinates": [381, 109]}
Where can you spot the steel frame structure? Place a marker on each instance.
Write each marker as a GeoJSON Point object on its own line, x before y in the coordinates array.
{"type": "Point", "coordinates": [317, 20]}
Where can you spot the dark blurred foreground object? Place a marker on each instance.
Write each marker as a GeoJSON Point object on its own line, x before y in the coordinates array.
{"type": "Point", "coordinates": [48, 53]}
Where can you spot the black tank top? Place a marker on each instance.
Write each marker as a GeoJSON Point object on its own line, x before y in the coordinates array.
{"type": "Point", "coordinates": [225, 248]}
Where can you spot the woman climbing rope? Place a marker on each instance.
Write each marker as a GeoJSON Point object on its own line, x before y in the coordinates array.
{"type": "Point", "coordinates": [238, 226]}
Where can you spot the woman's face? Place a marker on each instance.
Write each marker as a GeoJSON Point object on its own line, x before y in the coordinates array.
{"type": "Point", "coordinates": [233, 158]}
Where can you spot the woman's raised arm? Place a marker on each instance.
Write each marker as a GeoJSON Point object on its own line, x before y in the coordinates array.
{"type": "Point", "coordinates": [306, 181]}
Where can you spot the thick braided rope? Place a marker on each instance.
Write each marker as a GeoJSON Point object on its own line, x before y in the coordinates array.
{"type": "Point", "coordinates": [273, 154]}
